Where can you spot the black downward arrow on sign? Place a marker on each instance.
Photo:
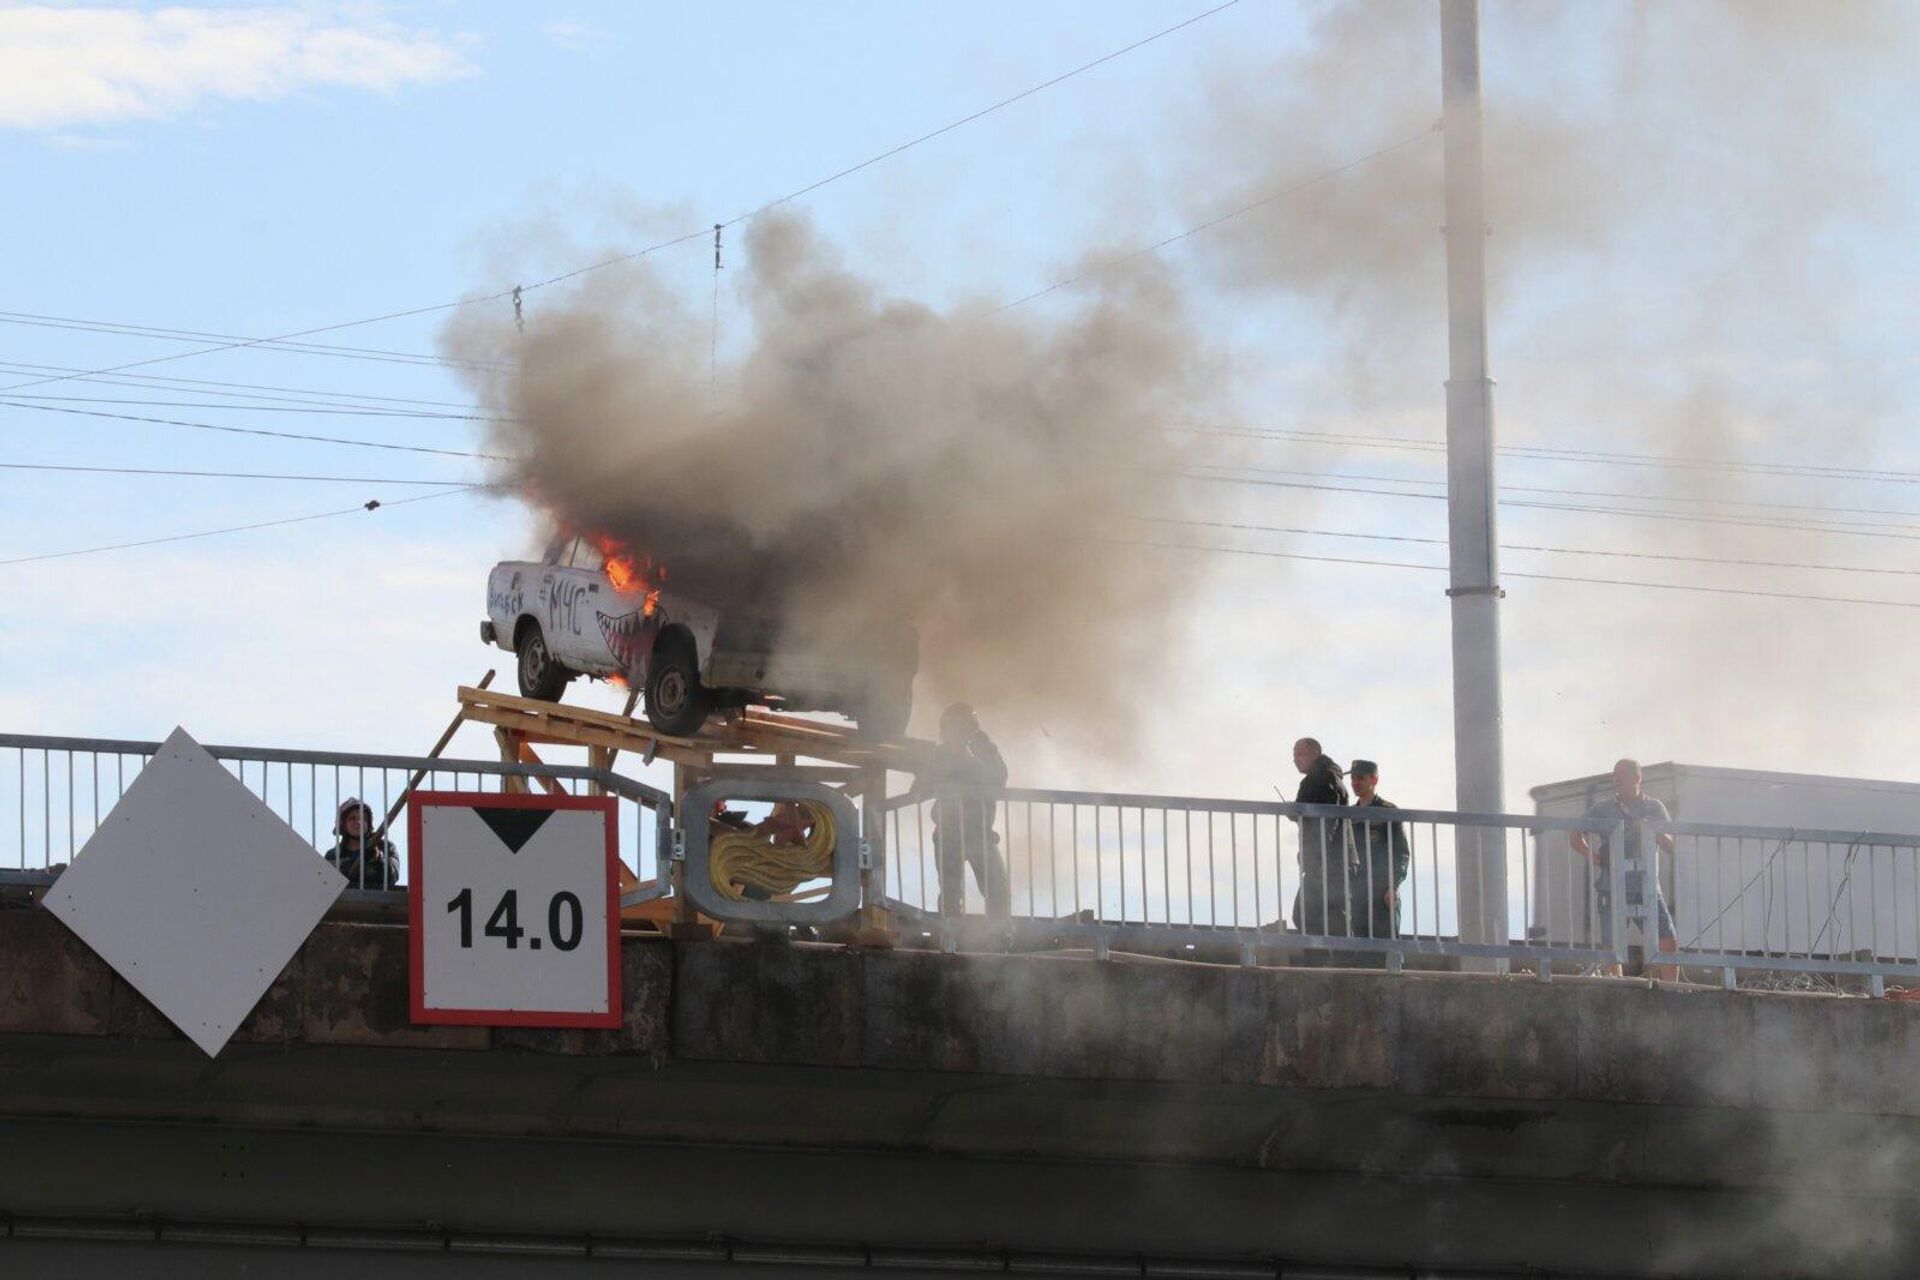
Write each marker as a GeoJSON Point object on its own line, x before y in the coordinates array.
{"type": "Point", "coordinates": [514, 826]}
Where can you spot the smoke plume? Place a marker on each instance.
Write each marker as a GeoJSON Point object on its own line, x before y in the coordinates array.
{"type": "Point", "coordinates": [869, 461]}
{"type": "Point", "coordinates": [1696, 218]}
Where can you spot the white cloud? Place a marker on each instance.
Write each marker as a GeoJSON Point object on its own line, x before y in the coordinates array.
{"type": "Point", "coordinates": [63, 67]}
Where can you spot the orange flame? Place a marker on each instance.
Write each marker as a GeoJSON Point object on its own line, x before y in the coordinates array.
{"type": "Point", "coordinates": [630, 573]}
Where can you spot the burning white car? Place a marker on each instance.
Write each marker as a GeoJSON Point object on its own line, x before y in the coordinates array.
{"type": "Point", "coordinates": [590, 607]}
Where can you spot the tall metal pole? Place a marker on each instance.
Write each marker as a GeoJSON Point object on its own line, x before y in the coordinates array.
{"type": "Point", "coordinates": [1472, 534]}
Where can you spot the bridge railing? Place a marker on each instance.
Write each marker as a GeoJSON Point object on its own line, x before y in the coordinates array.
{"type": "Point", "coordinates": [1120, 869]}
{"type": "Point", "coordinates": [54, 792]}
{"type": "Point", "coordinates": [1778, 905]}
{"type": "Point", "coordinates": [1759, 906]}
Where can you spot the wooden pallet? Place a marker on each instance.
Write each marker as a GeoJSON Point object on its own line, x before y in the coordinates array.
{"type": "Point", "coordinates": [750, 734]}
{"type": "Point", "coordinates": [735, 745]}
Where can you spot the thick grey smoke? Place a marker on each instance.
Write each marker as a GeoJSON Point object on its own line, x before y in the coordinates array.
{"type": "Point", "coordinates": [1706, 147]}
{"type": "Point", "coordinates": [868, 461]}
{"type": "Point", "coordinates": [1695, 214]}
{"type": "Point", "coordinates": [1671, 188]}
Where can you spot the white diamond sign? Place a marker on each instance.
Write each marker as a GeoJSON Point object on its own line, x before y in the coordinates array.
{"type": "Point", "coordinates": [195, 892]}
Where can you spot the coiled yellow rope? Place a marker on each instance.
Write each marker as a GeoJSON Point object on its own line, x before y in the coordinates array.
{"type": "Point", "coordinates": [738, 859]}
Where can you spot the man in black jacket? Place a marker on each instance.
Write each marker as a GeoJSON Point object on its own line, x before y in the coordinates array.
{"type": "Point", "coordinates": [1384, 857]}
{"type": "Point", "coordinates": [363, 856]}
{"type": "Point", "coordinates": [1326, 850]}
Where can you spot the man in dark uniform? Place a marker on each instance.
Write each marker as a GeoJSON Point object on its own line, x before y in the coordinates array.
{"type": "Point", "coordinates": [1326, 851]}
{"type": "Point", "coordinates": [1385, 856]}
{"type": "Point", "coordinates": [362, 854]}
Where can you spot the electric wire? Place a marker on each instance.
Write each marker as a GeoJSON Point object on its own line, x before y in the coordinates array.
{"type": "Point", "coordinates": [615, 260]}
{"type": "Point", "coordinates": [1587, 509]}
{"type": "Point", "coordinates": [431, 309]}
{"type": "Point", "coordinates": [1311, 485]}
{"type": "Point", "coordinates": [1544, 453]}
{"type": "Point", "coordinates": [1536, 577]}
{"type": "Point", "coordinates": [977, 115]}
{"type": "Point", "coordinates": [370, 505]}
{"type": "Point", "coordinates": [420, 414]}
{"type": "Point", "coordinates": [1523, 546]}
{"type": "Point", "coordinates": [444, 412]}
{"type": "Point", "coordinates": [1679, 498]}
{"type": "Point", "coordinates": [378, 354]}
{"type": "Point", "coordinates": [211, 386]}
{"type": "Point", "coordinates": [232, 475]}
{"type": "Point", "coordinates": [260, 431]}
{"type": "Point", "coordinates": [1211, 223]}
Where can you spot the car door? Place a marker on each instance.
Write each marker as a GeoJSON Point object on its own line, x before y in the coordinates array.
{"type": "Point", "coordinates": [570, 594]}
{"type": "Point", "coordinates": [587, 565]}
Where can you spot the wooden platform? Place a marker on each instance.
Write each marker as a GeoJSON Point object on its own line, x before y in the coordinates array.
{"type": "Point", "coordinates": [736, 744]}
{"type": "Point", "coordinates": [751, 733]}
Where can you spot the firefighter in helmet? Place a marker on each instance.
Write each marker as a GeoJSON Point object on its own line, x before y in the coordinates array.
{"type": "Point", "coordinates": [362, 854]}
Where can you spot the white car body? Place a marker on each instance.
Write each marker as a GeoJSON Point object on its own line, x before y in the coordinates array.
{"type": "Point", "coordinates": [591, 626]}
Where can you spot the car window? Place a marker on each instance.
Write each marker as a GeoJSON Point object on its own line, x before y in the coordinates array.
{"type": "Point", "coordinates": [557, 550]}
{"type": "Point", "coordinates": [587, 556]}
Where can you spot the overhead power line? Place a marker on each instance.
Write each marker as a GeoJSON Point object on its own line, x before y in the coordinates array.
{"type": "Point", "coordinates": [1044, 85]}
{"type": "Point", "coordinates": [1523, 546]}
{"type": "Point", "coordinates": [1211, 223]}
{"type": "Point", "coordinates": [1682, 516]}
{"type": "Point", "coordinates": [257, 431]}
{"type": "Point", "coordinates": [239, 390]}
{"type": "Point", "coordinates": [233, 475]}
{"type": "Point", "coordinates": [496, 296]}
{"type": "Point", "coordinates": [1683, 499]}
{"type": "Point", "coordinates": [701, 234]}
{"type": "Point", "coordinates": [377, 354]}
{"type": "Point", "coordinates": [1543, 453]}
{"type": "Point", "coordinates": [1536, 577]}
{"type": "Point", "coordinates": [420, 414]}
{"type": "Point", "coordinates": [370, 505]}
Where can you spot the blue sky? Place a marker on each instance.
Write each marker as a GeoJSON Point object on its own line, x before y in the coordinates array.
{"type": "Point", "coordinates": [292, 168]}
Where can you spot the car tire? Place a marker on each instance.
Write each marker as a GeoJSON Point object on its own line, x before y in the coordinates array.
{"type": "Point", "coordinates": [883, 716]}
{"type": "Point", "coordinates": [677, 703]}
{"type": "Point", "coordinates": [541, 675]}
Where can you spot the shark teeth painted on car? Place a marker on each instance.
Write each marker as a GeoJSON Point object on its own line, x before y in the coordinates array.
{"type": "Point", "coordinates": [627, 636]}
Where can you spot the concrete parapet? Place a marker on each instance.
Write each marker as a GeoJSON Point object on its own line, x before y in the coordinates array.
{"type": "Point", "coordinates": [1761, 1134]}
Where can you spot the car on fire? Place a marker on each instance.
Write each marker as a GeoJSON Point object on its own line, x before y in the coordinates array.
{"type": "Point", "coordinates": [588, 607]}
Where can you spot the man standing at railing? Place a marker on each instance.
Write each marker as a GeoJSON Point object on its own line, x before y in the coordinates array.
{"type": "Point", "coordinates": [363, 856]}
{"type": "Point", "coordinates": [1630, 804]}
{"type": "Point", "coordinates": [1385, 856]}
{"type": "Point", "coordinates": [1326, 846]}
{"type": "Point", "coordinates": [963, 834]}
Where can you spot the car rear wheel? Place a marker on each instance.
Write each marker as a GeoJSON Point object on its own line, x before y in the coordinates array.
{"type": "Point", "coordinates": [541, 675]}
{"type": "Point", "coordinates": [677, 703]}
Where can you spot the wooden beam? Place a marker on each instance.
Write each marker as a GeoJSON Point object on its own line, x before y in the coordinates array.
{"type": "Point", "coordinates": [509, 754]}
{"type": "Point", "coordinates": [633, 699]}
{"type": "Point", "coordinates": [748, 734]}
{"type": "Point", "coordinates": [831, 774]}
{"type": "Point", "coordinates": [453, 727]}
{"type": "Point", "coordinates": [538, 730]}
{"type": "Point", "coordinates": [529, 756]}
{"type": "Point", "coordinates": [559, 713]}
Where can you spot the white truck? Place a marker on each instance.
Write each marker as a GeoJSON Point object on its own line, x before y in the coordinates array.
{"type": "Point", "coordinates": [564, 616]}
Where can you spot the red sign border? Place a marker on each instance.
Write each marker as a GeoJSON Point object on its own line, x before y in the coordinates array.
{"type": "Point", "coordinates": [416, 907]}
